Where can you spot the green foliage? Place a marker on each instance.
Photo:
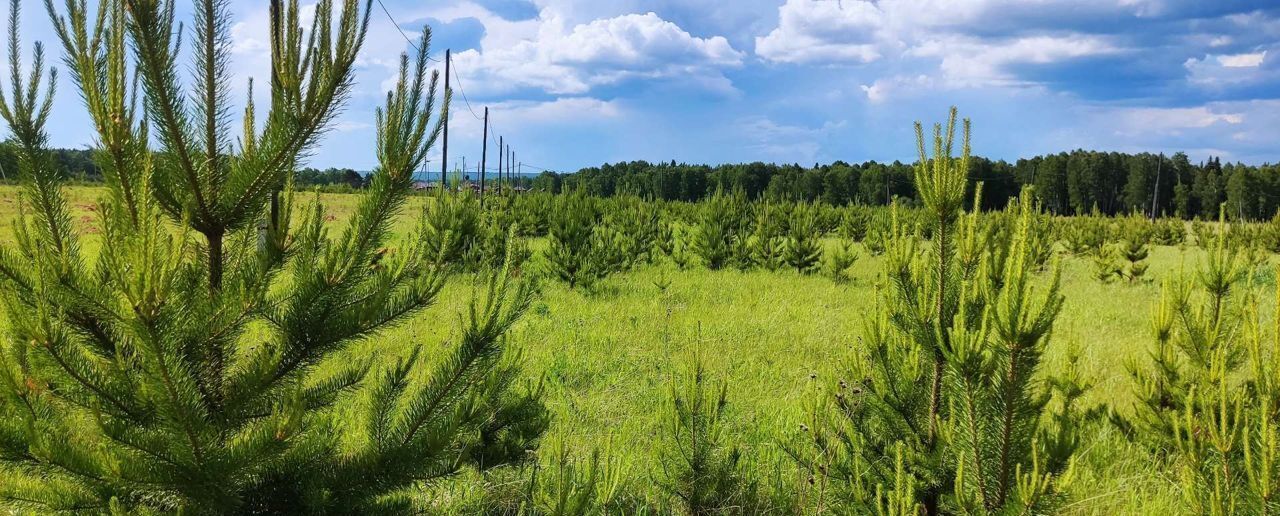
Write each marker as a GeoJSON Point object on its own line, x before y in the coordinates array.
{"type": "Point", "coordinates": [578, 487]}
{"type": "Point", "coordinates": [1134, 255]}
{"type": "Point", "coordinates": [530, 212]}
{"type": "Point", "coordinates": [574, 252]}
{"type": "Point", "coordinates": [452, 226]}
{"type": "Point", "coordinates": [666, 239]}
{"type": "Point", "coordinates": [637, 228]}
{"type": "Point", "coordinates": [1195, 327]}
{"type": "Point", "coordinates": [700, 469]}
{"type": "Point", "coordinates": [877, 241]}
{"type": "Point", "coordinates": [1124, 260]}
{"type": "Point", "coordinates": [166, 375]}
{"type": "Point", "coordinates": [1082, 235]}
{"type": "Point", "coordinates": [1106, 264]}
{"type": "Point", "coordinates": [1208, 395]}
{"type": "Point", "coordinates": [837, 262]}
{"type": "Point", "coordinates": [855, 223]}
{"type": "Point", "coordinates": [803, 250]}
{"type": "Point", "coordinates": [950, 383]}
{"type": "Point", "coordinates": [716, 239]}
{"type": "Point", "coordinates": [768, 243]}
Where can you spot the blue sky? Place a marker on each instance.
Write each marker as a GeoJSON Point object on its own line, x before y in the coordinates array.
{"type": "Point", "coordinates": [574, 83]}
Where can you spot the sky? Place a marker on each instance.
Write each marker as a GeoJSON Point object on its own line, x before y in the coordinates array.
{"type": "Point", "coordinates": [575, 83]}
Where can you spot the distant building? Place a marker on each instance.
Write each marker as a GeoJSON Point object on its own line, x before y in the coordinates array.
{"type": "Point", "coordinates": [468, 184]}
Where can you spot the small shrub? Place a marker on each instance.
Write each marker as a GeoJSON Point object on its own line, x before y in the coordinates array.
{"type": "Point", "coordinates": [836, 264]}
{"type": "Point", "coordinates": [803, 251]}
{"type": "Point", "coordinates": [717, 238]}
{"type": "Point", "coordinates": [700, 469]}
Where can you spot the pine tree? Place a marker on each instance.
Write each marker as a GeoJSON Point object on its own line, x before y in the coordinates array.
{"type": "Point", "coordinates": [1107, 264]}
{"type": "Point", "coordinates": [576, 253]}
{"type": "Point", "coordinates": [718, 239]}
{"type": "Point", "coordinates": [836, 263]}
{"type": "Point", "coordinates": [948, 373]}
{"type": "Point", "coordinates": [767, 240]}
{"type": "Point", "coordinates": [803, 251]}
{"type": "Point", "coordinates": [453, 226]}
{"type": "Point", "coordinates": [699, 468]}
{"type": "Point", "coordinates": [1207, 395]}
{"type": "Point", "coordinates": [637, 227]}
{"type": "Point", "coordinates": [220, 374]}
{"type": "Point", "coordinates": [571, 486]}
{"type": "Point", "coordinates": [1134, 253]}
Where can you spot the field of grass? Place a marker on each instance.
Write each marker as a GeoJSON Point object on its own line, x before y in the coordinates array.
{"type": "Point", "coordinates": [606, 356]}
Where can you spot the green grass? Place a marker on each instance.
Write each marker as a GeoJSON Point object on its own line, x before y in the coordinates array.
{"type": "Point", "coordinates": [606, 356]}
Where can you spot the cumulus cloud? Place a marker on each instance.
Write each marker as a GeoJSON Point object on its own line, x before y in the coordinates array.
{"type": "Point", "coordinates": [936, 44]}
{"type": "Point", "coordinates": [1243, 60]}
{"type": "Point", "coordinates": [1138, 120]}
{"type": "Point", "coordinates": [562, 59]}
{"type": "Point", "coordinates": [1229, 70]}
{"type": "Point", "coordinates": [970, 61]}
{"type": "Point", "coordinates": [825, 31]}
{"type": "Point", "coordinates": [376, 65]}
{"type": "Point", "coordinates": [862, 31]}
{"type": "Point", "coordinates": [884, 88]}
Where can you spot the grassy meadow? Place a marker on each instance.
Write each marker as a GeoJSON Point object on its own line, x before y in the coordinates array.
{"type": "Point", "coordinates": [606, 356]}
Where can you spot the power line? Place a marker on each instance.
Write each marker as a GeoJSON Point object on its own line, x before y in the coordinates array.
{"type": "Point", "coordinates": [457, 78]}
{"type": "Point", "coordinates": [541, 169]}
{"type": "Point", "coordinates": [464, 95]}
{"type": "Point", "coordinates": [396, 24]}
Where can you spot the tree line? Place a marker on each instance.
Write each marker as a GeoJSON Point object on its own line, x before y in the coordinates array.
{"type": "Point", "coordinates": [78, 164]}
{"type": "Point", "coordinates": [1067, 183]}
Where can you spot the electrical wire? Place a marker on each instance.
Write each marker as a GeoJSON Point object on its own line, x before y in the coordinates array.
{"type": "Point", "coordinates": [493, 136]}
{"type": "Point", "coordinates": [396, 24]}
{"type": "Point", "coordinates": [464, 95]}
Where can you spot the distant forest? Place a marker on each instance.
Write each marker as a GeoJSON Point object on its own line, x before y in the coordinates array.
{"type": "Point", "coordinates": [1067, 183]}
{"type": "Point", "coordinates": [78, 165]}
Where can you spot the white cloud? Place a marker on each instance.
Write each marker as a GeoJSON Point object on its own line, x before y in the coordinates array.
{"type": "Point", "coordinates": [561, 59]}
{"type": "Point", "coordinates": [969, 61]}
{"type": "Point", "coordinates": [863, 31]}
{"type": "Point", "coordinates": [934, 44]}
{"type": "Point", "coordinates": [1232, 130]}
{"type": "Point", "coordinates": [815, 31]}
{"type": "Point", "coordinates": [566, 109]}
{"type": "Point", "coordinates": [1216, 71]}
{"type": "Point", "coordinates": [1242, 60]}
{"type": "Point", "coordinates": [520, 120]}
{"type": "Point", "coordinates": [883, 88]}
{"type": "Point", "coordinates": [1140, 120]}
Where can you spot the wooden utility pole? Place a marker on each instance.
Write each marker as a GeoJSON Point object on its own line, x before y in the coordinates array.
{"type": "Point", "coordinates": [1155, 195]}
{"type": "Point", "coordinates": [484, 154]}
{"type": "Point", "coordinates": [444, 155]}
{"type": "Point", "coordinates": [502, 155]}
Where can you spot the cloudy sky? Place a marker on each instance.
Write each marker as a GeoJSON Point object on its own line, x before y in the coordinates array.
{"type": "Point", "coordinates": [574, 83]}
